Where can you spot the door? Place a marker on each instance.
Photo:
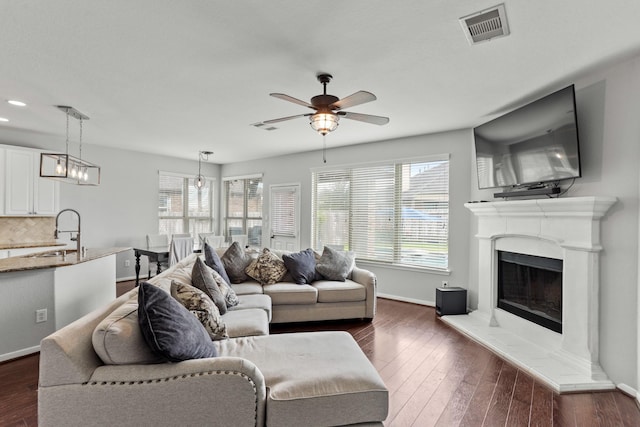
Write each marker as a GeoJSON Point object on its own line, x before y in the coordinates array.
{"type": "Point", "coordinates": [284, 218]}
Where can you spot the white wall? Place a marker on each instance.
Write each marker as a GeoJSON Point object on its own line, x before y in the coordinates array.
{"type": "Point", "coordinates": [412, 285]}
{"type": "Point", "coordinates": [608, 106]}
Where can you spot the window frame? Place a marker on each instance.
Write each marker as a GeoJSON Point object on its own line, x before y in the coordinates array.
{"type": "Point", "coordinates": [187, 182]}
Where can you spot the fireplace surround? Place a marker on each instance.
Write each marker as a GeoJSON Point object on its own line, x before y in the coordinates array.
{"type": "Point", "coordinates": [566, 229]}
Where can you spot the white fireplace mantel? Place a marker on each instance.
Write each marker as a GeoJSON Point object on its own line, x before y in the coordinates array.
{"type": "Point", "coordinates": [563, 228]}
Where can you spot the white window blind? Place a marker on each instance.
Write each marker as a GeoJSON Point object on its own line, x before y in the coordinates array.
{"type": "Point", "coordinates": [283, 211]}
{"type": "Point", "coordinates": [391, 213]}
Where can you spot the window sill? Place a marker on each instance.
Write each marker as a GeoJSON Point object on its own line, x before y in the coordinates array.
{"type": "Point", "coordinates": [403, 267]}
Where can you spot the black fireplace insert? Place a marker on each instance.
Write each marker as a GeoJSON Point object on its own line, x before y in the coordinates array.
{"type": "Point", "coordinates": [531, 287]}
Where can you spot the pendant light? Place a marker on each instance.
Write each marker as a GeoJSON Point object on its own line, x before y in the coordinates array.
{"type": "Point", "coordinates": [65, 167]}
{"type": "Point", "coordinates": [200, 180]}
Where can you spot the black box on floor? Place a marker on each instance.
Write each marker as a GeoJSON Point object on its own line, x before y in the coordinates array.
{"type": "Point", "coordinates": [451, 300]}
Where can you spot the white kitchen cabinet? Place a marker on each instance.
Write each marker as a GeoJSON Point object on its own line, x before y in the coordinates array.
{"type": "Point", "coordinates": [25, 193]}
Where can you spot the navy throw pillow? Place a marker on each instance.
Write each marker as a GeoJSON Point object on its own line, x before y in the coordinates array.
{"type": "Point", "coordinates": [302, 266]}
{"type": "Point", "coordinates": [212, 259]}
{"type": "Point", "coordinates": [169, 328]}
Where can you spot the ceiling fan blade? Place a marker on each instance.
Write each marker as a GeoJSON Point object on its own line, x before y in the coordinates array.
{"type": "Point", "coordinates": [367, 118]}
{"type": "Point", "coordinates": [292, 99]}
{"type": "Point", "coordinates": [357, 98]}
{"type": "Point", "coordinates": [283, 119]}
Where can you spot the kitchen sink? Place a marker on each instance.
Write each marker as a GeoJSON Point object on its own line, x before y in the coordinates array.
{"type": "Point", "coordinates": [52, 254]}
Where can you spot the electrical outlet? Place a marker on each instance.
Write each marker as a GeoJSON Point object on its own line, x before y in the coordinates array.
{"type": "Point", "coordinates": [445, 283]}
{"type": "Point", "coordinates": [41, 315]}
{"type": "Point", "coordinates": [127, 263]}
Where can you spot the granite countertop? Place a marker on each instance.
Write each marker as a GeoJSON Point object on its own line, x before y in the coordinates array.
{"type": "Point", "coordinates": [37, 261]}
{"type": "Point", "coordinates": [21, 245]}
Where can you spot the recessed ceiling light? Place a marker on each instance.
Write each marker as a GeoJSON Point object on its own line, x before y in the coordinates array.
{"type": "Point", "coordinates": [2, 119]}
{"type": "Point", "coordinates": [17, 103]}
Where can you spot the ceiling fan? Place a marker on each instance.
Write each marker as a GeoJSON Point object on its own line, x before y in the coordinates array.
{"type": "Point", "coordinates": [328, 108]}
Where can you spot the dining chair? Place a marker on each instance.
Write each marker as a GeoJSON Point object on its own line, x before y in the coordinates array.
{"type": "Point", "coordinates": [173, 236]}
{"type": "Point", "coordinates": [211, 239]}
{"type": "Point", "coordinates": [242, 239]}
{"type": "Point", "coordinates": [180, 248]}
{"type": "Point", "coordinates": [155, 240]}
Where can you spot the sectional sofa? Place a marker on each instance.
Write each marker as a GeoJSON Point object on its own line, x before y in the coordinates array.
{"type": "Point", "coordinates": [100, 369]}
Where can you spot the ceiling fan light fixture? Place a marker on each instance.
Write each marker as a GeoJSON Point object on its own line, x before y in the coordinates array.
{"type": "Point", "coordinates": [323, 123]}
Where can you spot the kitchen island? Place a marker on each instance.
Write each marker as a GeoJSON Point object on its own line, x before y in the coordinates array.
{"type": "Point", "coordinates": [42, 292]}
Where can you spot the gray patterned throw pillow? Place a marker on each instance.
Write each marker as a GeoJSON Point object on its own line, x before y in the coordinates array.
{"type": "Point", "coordinates": [201, 306]}
{"type": "Point", "coordinates": [235, 261]}
{"type": "Point", "coordinates": [335, 265]}
{"type": "Point", "coordinates": [267, 268]}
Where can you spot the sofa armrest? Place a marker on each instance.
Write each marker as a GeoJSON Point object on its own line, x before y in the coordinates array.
{"type": "Point", "coordinates": [367, 279]}
{"type": "Point", "coordinates": [195, 392]}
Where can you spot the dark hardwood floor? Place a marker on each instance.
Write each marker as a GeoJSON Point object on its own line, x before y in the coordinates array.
{"type": "Point", "coordinates": [435, 376]}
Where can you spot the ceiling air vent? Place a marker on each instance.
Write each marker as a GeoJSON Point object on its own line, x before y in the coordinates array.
{"type": "Point", "coordinates": [485, 25]}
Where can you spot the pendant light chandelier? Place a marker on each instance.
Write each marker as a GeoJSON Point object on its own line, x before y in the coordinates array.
{"type": "Point", "coordinates": [200, 180]}
{"type": "Point", "coordinates": [65, 167]}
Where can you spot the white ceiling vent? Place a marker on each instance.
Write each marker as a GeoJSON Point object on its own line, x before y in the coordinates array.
{"type": "Point", "coordinates": [485, 25]}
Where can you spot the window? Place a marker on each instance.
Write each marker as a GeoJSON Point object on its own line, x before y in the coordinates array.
{"type": "Point", "coordinates": [243, 204]}
{"type": "Point", "coordinates": [284, 208]}
{"type": "Point", "coordinates": [396, 213]}
{"type": "Point", "coordinates": [182, 208]}
{"type": "Point", "coordinates": [284, 203]}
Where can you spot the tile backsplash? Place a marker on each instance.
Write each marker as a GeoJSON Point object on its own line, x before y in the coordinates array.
{"type": "Point", "coordinates": [26, 229]}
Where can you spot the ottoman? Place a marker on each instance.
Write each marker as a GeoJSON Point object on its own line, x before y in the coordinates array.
{"type": "Point", "coordinates": [314, 378]}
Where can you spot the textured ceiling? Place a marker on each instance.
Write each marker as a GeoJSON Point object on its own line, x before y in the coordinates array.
{"type": "Point", "coordinates": [175, 77]}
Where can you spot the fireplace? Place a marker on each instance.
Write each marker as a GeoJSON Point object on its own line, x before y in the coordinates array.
{"type": "Point", "coordinates": [531, 287]}
{"type": "Point", "coordinates": [567, 232]}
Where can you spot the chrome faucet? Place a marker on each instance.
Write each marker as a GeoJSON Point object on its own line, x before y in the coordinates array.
{"type": "Point", "coordinates": [73, 239]}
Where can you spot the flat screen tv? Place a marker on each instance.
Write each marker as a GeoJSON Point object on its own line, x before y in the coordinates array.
{"type": "Point", "coordinates": [531, 146]}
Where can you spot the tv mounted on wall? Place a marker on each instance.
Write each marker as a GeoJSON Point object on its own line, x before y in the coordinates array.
{"type": "Point", "coordinates": [531, 148]}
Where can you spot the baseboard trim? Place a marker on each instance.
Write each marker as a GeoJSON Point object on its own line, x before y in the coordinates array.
{"type": "Point", "coordinates": [404, 299]}
{"type": "Point", "coordinates": [19, 353]}
{"type": "Point", "coordinates": [126, 279]}
{"type": "Point", "coordinates": [629, 391]}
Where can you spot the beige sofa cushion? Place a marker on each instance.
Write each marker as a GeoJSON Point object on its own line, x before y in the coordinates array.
{"type": "Point", "coordinates": [260, 301]}
{"type": "Point", "coordinates": [249, 287]}
{"type": "Point", "coordinates": [308, 374]}
{"type": "Point", "coordinates": [117, 339]}
{"type": "Point", "coordinates": [246, 323]}
{"type": "Point", "coordinates": [332, 291]}
{"type": "Point", "coordinates": [290, 293]}
{"type": "Point", "coordinates": [181, 274]}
